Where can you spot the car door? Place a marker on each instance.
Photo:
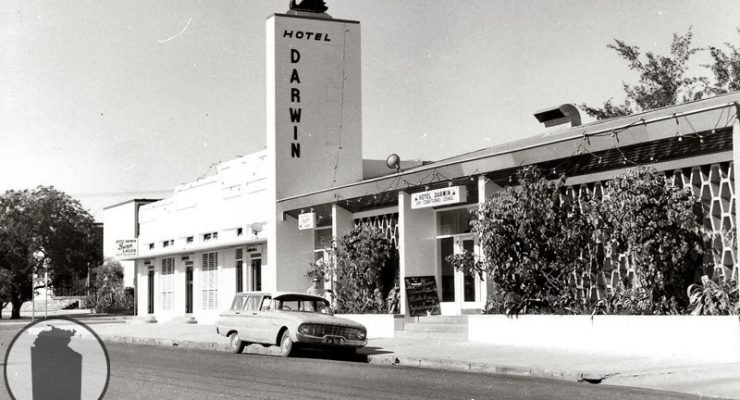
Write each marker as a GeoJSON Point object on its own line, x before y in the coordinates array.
{"type": "Point", "coordinates": [249, 321]}
{"type": "Point", "coordinates": [264, 316]}
{"type": "Point", "coordinates": [230, 319]}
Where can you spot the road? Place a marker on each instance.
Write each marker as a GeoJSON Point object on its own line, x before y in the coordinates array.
{"type": "Point", "coordinates": [146, 372]}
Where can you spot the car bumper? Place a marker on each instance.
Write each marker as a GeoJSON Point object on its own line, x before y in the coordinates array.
{"type": "Point", "coordinates": [329, 341]}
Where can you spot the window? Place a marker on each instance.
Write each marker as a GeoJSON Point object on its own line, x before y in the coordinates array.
{"type": "Point", "coordinates": [266, 303]}
{"type": "Point", "coordinates": [189, 239]}
{"type": "Point", "coordinates": [452, 222]}
{"type": "Point", "coordinates": [209, 282]}
{"type": "Point", "coordinates": [151, 246]}
{"type": "Point", "coordinates": [252, 303]}
{"type": "Point", "coordinates": [209, 236]}
{"type": "Point", "coordinates": [238, 303]}
{"type": "Point", "coordinates": [239, 270]}
{"type": "Point", "coordinates": [166, 283]}
{"type": "Point", "coordinates": [239, 231]}
{"type": "Point", "coordinates": [168, 243]}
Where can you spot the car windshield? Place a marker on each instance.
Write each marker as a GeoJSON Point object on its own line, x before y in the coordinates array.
{"type": "Point", "coordinates": [302, 304]}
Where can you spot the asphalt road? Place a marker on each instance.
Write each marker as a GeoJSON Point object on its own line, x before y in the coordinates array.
{"type": "Point", "coordinates": [146, 372]}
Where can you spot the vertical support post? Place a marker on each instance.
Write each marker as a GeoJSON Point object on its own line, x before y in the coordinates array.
{"type": "Point", "coordinates": [735, 165]}
{"type": "Point", "coordinates": [403, 198]}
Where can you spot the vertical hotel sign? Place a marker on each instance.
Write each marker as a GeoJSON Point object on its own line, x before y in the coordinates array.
{"type": "Point", "coordinates": [313, 102]}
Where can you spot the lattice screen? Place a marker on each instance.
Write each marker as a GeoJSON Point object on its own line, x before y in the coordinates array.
{"type": "Point", "coordinates": [387, 222]}
{"type": "Point", "coordinates": [714, 185]}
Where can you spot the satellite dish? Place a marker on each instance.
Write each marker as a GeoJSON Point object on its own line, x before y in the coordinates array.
{"type": "Point", "coordinates": [393, 162]}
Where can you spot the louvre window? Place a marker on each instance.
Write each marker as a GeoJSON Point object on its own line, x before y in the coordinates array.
{"type": "Point", "coordinates": [209, 282]}
{"type": "Point", "coordinates": [166, 284]}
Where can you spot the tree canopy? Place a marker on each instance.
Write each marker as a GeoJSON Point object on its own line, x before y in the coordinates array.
{"type": "Point", "coordinates": [39, 228]}
{"type": "Point", "coordinates": [664, 80]}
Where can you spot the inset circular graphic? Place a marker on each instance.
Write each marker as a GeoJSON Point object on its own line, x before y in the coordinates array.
{"type": "Point", "coordinates": [56, 358]}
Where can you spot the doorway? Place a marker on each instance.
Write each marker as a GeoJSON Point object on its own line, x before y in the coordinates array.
{"type": "Point", "coordinates": [150, 294]}
{"type": "Point", "coordinates": [255, 272]}
{"type": "Point", "coordinates": [188, 290]}
{"type": "Point", "coordinates": [460, 290]}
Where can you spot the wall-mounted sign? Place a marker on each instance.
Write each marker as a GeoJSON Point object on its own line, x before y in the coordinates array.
{"type": "Point", "coordinates": [126, 248]}
{"type": "Point", "coordinates": [307, 221]}
{"type": "Point", "coordinates": [439, 197]}
{"type": "Point", "coordinates": [313, 103]}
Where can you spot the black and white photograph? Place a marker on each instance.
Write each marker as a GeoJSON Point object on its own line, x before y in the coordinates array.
{"type": "Point", "coordinates": [369, 199]}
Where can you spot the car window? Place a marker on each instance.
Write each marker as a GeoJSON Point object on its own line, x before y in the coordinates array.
{"type": "Point", "coordinates": [294, 303]}
{"type": "Point", "coordinates": [266, 304]}
{"type": "Point", "coordinates": [237, 303]}
{"type": "Point", "coordinates": [252, 303]}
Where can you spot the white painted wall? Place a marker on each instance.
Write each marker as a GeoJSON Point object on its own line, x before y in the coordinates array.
{"type": "Point", "coordinates": [702, 338]}
{"type": "Point", "coordinates": [293, 259]}
{"type": "Point", "coordinates": [417, 248]}
{"type": "Point", "coordinates": [377, 325]}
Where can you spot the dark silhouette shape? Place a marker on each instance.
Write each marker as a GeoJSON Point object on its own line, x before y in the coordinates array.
{"type": "Point", "coordinates": [314, 6]}
{"type": "Point", "coordinates": [55, 368]}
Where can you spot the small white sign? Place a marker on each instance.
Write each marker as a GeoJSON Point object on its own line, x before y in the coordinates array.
{"type": "Point", "coordinates": [439, 197]}
{"type": "Point", "coordinates": [307, 221]}
{"type": "Point", "coordinates": [126, 248]}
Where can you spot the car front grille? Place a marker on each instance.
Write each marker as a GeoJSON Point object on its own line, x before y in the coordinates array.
{"type": "Point", "coordinates": [329, 330]}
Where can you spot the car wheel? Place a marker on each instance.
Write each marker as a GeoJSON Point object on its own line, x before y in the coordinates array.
{"type": "Point", "coordinates": [237, 345]}
{"type": "Point", "coordinates": [286, 344]}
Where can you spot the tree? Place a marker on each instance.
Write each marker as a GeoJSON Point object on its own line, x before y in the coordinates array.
{"type": "Point", "coordinates": [726, 69]}
{"type": "Point", "coordinates": [365, 270]}
{"type": "Point", "coordinates": [42, 228]}
{"type": "Point", "coordinates": [662, 82]}
{"type": "Point", "coordinates": [534, 238]}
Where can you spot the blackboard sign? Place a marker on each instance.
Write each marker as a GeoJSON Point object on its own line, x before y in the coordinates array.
{"type": "Point", "coordinates": [421, 295]}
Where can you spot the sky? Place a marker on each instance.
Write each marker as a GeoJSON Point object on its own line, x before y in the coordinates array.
{"type": "Point", "coordinates": [112, 100]}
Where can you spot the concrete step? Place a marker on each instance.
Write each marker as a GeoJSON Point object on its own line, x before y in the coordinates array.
{"type": "Point", "coordinates": [432, 335]}
{"type": "Point", "coordinates": [437, 319]}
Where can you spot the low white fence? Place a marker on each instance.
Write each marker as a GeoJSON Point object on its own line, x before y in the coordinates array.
{"type": "Point", "coordinates": [710, 338]}
{"type": "Point", "coordinates": [378, 325]}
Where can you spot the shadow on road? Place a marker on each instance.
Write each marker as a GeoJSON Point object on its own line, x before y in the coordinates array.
{"type": "Point", "coordinates": [361, 356]}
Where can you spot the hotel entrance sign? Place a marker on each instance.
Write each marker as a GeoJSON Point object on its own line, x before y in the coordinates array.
{"type": "Point", "coordinates": [439, 197]}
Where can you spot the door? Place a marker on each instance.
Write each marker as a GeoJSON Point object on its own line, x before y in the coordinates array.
{"type": "Point", "coordinates": [188, 290]}
{"type": "Point", "coordinates": [459, 290]}
{"type": "Point", "coordinates": [467, 285]}
{"type": "Point", "coordinates": [150, 294]}
{"type": "Point", "coordinates": [255, 272]}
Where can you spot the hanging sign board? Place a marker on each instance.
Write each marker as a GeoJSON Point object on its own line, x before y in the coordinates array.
{"type": "Point", "coordinates": [421, 295]}
{"type": "Point", "coordinates": [439, 197]}
{"type": "Point", "coordinates": [307, 221]}
{"type": "Point", "coordinates": [126, 248]}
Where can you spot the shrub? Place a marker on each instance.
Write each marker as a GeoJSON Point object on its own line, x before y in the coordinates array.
{"type": "Point", "coordinates": [365, 270]}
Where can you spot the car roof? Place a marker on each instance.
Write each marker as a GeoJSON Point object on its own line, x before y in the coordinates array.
{"type": "Point", "coordinates": [280, 294]}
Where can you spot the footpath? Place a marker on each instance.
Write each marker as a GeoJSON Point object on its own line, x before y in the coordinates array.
{"type": "Point", "coordinates": [704, 379]}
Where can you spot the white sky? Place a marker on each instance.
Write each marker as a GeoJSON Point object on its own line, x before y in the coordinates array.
{"type": "Point", "coordinates": [110, 100]}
